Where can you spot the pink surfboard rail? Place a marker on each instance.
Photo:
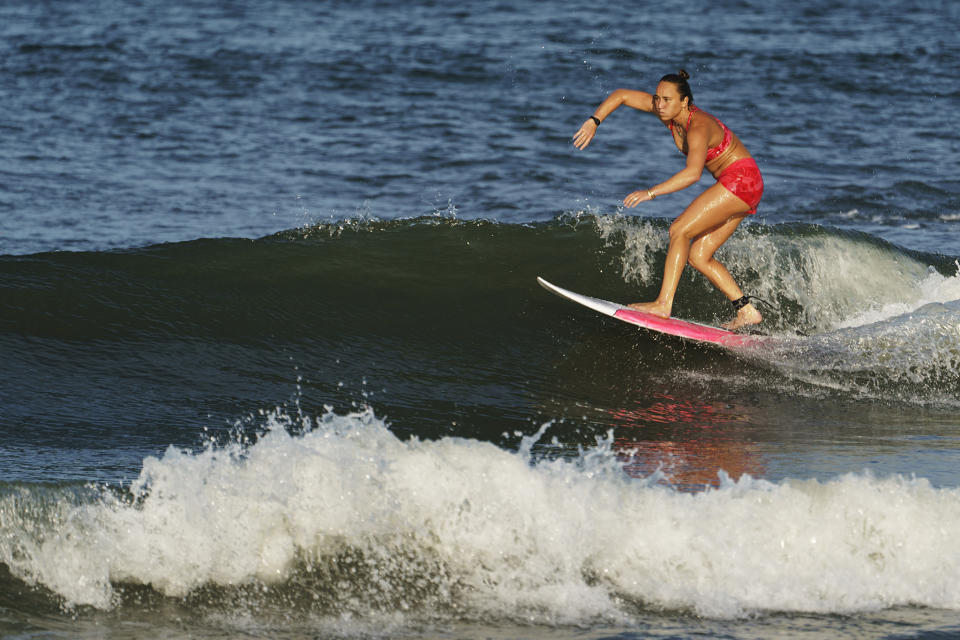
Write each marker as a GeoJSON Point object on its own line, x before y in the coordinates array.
{"type": "Point", "coordinates": [671, 326]}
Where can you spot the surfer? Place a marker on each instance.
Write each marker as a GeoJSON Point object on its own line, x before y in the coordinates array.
{"type": "Point", "coordinates": [715, 214]}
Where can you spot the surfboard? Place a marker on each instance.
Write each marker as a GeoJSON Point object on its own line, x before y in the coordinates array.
{"type": "Point", "coordinates": [671, 326]}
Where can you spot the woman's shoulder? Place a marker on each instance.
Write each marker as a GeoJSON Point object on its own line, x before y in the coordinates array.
{"type": "Point", "coordinates": [702, 115]}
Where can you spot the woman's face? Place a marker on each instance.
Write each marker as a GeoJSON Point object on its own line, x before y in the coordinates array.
{"type": "Point", "coordinates": [666, 101]}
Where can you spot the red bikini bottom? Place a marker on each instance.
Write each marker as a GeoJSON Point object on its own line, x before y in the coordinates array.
{"type": "Point", "coordinates": [743, 179]}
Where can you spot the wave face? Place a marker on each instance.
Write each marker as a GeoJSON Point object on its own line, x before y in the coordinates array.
{"type": "Point", "coordinates": [336, 520]}
{"type": "Point", "coordinates": [455, 301]}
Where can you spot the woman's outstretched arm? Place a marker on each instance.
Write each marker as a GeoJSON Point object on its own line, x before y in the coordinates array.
{"type": "Point", "coordinates": [636, 99]}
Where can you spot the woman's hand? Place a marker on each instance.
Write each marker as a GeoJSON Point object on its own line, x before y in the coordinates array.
{"type": "Point", "coordinates": [635, 198]}
{"type": "Point", "coordinates": [585, 134]}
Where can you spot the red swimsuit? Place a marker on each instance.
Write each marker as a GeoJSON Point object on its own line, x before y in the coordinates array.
{"type": "Point", "coordinates": [742, 178]}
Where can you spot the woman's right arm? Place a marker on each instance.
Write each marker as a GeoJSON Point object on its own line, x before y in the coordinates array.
{"type": "Point", "coordinates": [636, 99]}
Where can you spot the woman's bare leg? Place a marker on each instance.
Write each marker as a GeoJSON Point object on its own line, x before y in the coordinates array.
{"type": "Point", "coordinates": [713, 215]}
{"type": "Point", "coordinates": [702, 259]}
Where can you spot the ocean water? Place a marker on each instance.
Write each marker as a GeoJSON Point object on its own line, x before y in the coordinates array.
{"type": "Point", "coordinates": [274, 362]}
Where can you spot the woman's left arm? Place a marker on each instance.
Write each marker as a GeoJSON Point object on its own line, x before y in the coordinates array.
{"type": "Point", "coordinates": [690, 174]}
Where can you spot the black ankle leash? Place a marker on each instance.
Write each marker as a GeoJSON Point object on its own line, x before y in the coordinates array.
{"type": "Point", "coordinates": [740, 303]}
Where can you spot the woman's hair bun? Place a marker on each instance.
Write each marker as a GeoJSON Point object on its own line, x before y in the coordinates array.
{"type": "Point", "coordinates": [683, 74]}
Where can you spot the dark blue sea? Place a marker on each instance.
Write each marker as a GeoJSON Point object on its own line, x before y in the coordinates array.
{"type": "Point", "coordinates": [274, 362]}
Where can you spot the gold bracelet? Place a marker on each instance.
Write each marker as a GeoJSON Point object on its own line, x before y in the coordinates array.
{"type": "Point", "coordinates": [650, 193]}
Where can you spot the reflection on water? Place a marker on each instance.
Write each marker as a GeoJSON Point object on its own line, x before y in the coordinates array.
{"type": "Point", "coordinates": [689, 441]}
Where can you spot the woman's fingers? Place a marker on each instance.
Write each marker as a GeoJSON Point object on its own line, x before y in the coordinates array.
{"type": "Point", "coordinates": [636, 198]}
{"type": "Point", "coordinates": [581, 139]}
{"type": "Point", "coordinates": [584, 134]}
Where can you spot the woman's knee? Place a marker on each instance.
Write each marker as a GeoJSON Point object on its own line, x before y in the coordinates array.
{"type": "Point", "coordinates": [699, 261]}
{"type": "Point", "coordinates": [680, 231]}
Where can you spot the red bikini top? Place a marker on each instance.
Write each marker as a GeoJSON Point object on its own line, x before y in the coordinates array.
{"type": "Point", "coordinates": [712, 152]}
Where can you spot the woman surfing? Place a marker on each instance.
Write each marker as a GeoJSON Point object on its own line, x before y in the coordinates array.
{"type": "Point", "coordinates": [715, 214]}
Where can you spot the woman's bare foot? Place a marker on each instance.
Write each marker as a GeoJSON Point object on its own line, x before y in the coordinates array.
{"type": "Point", "coordinates": [653, 308]}
{"type": "Point", "coordinates": [747, 315]}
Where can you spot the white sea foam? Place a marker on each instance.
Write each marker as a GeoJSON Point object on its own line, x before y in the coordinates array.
{"type": "Point", "coordinates": [461, 525]}
{"type": "Point", "coordinates": [836, 281]}
{"type": "Point", "coordinates": [931, 288]}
